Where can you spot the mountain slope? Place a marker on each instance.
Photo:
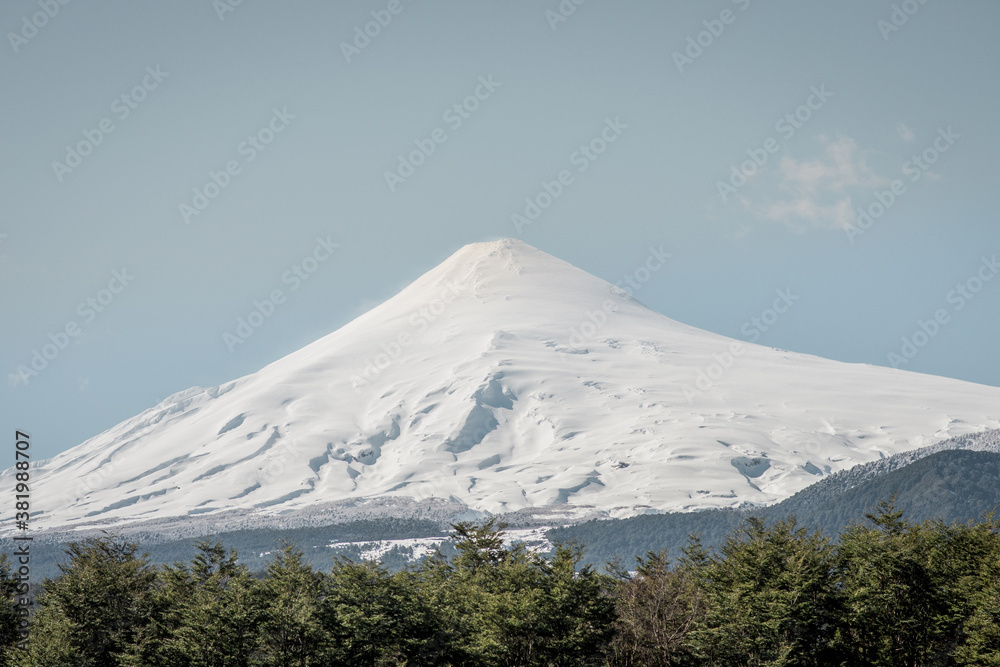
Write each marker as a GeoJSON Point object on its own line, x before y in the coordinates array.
{"type": "Point", "coordinates": [949, 485]}
{"type": "Point", "coordinates": [955, 480]}
{"type": "Point", "coordinates": [829, 493]}
{"type": "Point", "coordinates": [475, 388]}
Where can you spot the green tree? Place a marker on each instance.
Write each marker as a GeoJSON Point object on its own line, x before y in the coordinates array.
{"type": "Point", "coordinates": [213, 612]}
{"type": "Point", "coordinates": [93, 611]}
{"type": "Point", "coordinates": [770, 598]}
{"type": "Point", "coordinates": [292, 634]}
{"type": "Point", "coordinates": [963, 565]}
{"type": "Point", "coordinates": [514, 607]}
{"type": "Point", "coordinates": [577, 610]}
{"type": "Point", "coordinates": [156, 644]}
{"type": "Point", "coordinates": [10, 619]}
{"type": "Point", "coordinates": [891, 601]}
{"type": "Point", "coordinates": [920, 594]}
{"type": "Point", "coordinates": [981, 627]}
{"type": "Point", "coordinates": [373, 617]}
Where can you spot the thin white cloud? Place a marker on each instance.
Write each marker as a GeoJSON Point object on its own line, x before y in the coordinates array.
{"type": "Point", "coordinates": [840, 167]}
{"type": "Point", "coordinates": [905, 133]}
{"type": "Point", "coordinates": [818, 193]}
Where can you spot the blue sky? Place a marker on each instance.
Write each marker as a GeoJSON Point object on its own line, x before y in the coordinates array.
{"type": "Point", "coordinates": [167, 164]}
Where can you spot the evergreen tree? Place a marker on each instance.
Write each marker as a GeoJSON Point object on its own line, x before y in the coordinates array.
{"type": "Point", "coordinates": [578, 611]}
{"type": "Point", "coordinates": [920, 594]}
{"type": "Point", "coordinates": [10, 619]}
{"type": "Point", "coordinates": [373, 617]}
{"type": "Point", "coordinates": [771, 599]}
{"type": "Point", "coordinates": [515, 607]}
{"type": "Point", "coordinates": [156, 644]}
{"type": "Point", "coordinates": [963, 564]}
{"type": "Point", "coordinates": [292, 633]}
{"type": "Point", "coordinates": [890, 594]}
{"type": "Point", "coordinates": [219, 611]}
{"type": "Point", "coordinates": [981, 627]}
{"type": "Point", "coordinates": [93, 611]}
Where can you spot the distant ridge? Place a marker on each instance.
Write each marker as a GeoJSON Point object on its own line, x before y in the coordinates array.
{"type": "Point", "coordinates": [955, 480]}
{"type": "Point", "coordinates": [845, 480]}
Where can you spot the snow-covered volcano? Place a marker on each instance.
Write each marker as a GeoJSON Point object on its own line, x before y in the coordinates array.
{"type": "Point", "coordinates": [506, 379]}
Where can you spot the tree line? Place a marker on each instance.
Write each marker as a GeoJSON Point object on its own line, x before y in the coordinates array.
{"type": "Point", "coordinates": [887, 592]}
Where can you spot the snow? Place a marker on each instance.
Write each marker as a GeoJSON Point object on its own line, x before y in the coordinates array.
{"type": "Point", "coordinates": [534, 539]}
{"type": "Point", "coordinates": [375, 550]}
{"type": "Point", "coordinates": [475, 385]}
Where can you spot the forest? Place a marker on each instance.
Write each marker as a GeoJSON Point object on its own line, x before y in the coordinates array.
{"type": "Point", "coordinates": [885, 591]}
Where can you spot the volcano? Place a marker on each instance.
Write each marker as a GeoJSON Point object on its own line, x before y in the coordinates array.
{"type": "Point", "coordinates": [504, 380]}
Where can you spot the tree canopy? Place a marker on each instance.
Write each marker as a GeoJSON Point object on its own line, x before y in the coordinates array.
{"type": "Point", "coordinates": [888, 591]}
